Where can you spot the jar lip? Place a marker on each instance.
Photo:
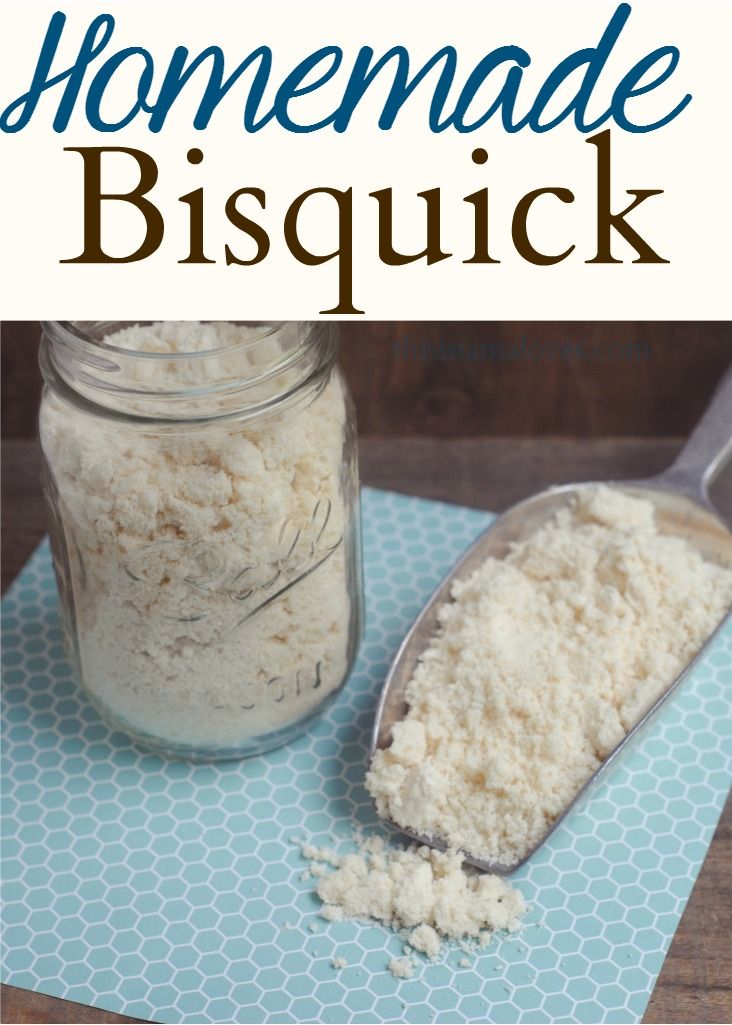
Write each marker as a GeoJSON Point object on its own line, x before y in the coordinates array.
{"type": "Point", "coordinates": [64, 378]}
{"type": "Point", "coordinates": [67, 331]}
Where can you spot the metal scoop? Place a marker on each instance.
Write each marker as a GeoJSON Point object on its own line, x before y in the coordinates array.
{"type": "Point", "coordinates": [682, 507]}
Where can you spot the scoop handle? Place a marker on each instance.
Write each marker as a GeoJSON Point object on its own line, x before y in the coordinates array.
{"type": "Point", "coordinates": [708, 448]}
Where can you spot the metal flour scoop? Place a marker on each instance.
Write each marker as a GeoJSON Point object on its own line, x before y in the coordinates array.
{"type": "Point", "coordinates": [682, 507]}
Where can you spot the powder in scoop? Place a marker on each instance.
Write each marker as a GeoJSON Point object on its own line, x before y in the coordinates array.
{"type": "Point", "coordinates": [542, 663]}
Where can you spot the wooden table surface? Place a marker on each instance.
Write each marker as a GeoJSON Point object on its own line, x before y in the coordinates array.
{"type": "Point", "coordinates": [695, 984]}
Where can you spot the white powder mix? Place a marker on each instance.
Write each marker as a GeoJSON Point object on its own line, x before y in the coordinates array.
{"type": "Point", "coordinates": [207, 562]}
{"type": "Point", "coordinates": [401, 967]}
{"type": "Point", "coordinates": [543, 662]}
{"type": "Point", "coordinates": [425, 939]}
{"type": "Point", "coordinates": [426, 893]}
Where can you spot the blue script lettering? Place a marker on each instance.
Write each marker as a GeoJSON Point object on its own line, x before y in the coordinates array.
{"type": "Point", "coordinates": [450, 101]}
{"type": "Point", "coordinates": [96, 38]}
{"type": "Point", "coordinates": [177, 75]}
{"type": "Point", "coordinates": [363, 75]}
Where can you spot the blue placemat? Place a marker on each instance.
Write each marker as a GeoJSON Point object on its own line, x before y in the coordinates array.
{"type": "Point", "coordinates": [172, 891]}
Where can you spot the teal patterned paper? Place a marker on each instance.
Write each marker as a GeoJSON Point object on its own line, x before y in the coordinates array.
{"type": "Point", "coordinates": [172, 891]}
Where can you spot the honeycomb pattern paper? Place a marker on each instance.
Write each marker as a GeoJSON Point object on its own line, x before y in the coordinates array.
{"type": "Point", "coordinates": [173, 891]}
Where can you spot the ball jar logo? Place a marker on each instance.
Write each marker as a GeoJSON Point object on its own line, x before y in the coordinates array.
{"type": "Point", "coordinates": [190, 577]}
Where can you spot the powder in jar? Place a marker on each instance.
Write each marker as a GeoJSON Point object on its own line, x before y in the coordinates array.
{"type": "Point", "coordinates": [207, 561]}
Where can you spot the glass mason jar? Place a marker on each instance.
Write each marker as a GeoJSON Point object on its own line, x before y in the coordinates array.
{"type": "Point", "coordinates": [203, 489]}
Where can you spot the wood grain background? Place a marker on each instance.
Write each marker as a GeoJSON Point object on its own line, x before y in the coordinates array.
{"type": "Point", "coordinates": [459, 379]}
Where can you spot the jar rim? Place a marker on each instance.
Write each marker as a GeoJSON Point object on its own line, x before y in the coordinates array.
{"type": "Point", "coordinates": [84, 370]}
{"type": "Point", "coordinates": [67, 331]}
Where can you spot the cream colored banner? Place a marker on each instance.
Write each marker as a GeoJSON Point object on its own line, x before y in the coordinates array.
{"type": "Point", "coordinates": [688, 223]}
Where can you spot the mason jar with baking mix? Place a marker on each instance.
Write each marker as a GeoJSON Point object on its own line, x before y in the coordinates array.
{"type": "Point", "coordinates": [203, 488]}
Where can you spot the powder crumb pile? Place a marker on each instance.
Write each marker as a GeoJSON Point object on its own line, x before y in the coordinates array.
{"type": "Point", "coordinates": [401, 967]}
{"type": "Point", "coordinates": [425, 939]}
{"type": "Point", "coordinates": [425, 894]}
{"type": "Point", "coordinates": [543, 662]}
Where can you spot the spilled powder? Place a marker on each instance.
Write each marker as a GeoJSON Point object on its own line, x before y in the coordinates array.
{"type": "Point", "coordinates": [401, 967]}
{"type": "Point", "coordinates": [426, 895]}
